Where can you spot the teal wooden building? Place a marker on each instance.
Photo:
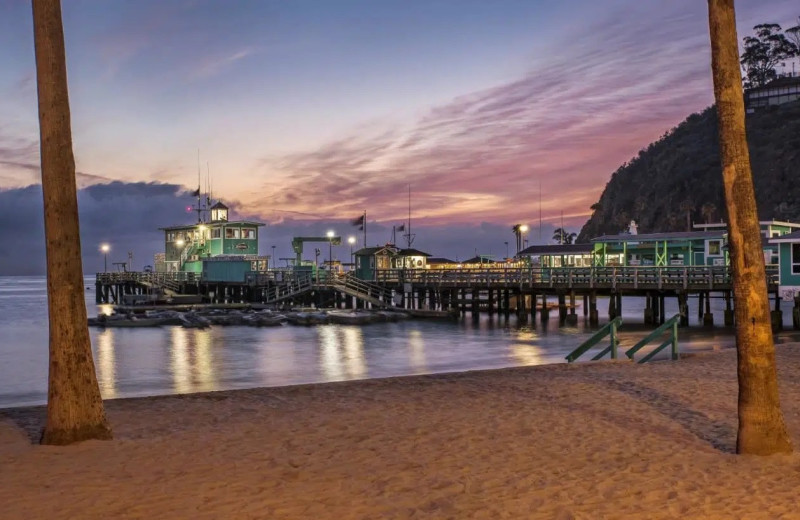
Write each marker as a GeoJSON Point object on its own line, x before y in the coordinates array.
{"type": "Point", "coordinates": [558, 255]}
{"type": "Point", "coordinates": [219, 248]}
{"type": "Point", "coordinates": [370, 260]}
{"type": "Point", "coordinates": [789, 264]}
{"type": "Point", "coordinates": [703, 248]}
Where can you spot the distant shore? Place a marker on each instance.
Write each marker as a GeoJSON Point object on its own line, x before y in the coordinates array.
{"type": "Point", "coordinates": [591, 440]}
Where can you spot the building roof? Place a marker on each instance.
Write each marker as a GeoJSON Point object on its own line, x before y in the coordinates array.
{"type": "Point", "coordinates": [480, 259]}
{"type": "Point", "coordinates": [214, 223]}
{"type": "Point", "coordinates": [784, 81]}
{"type": "Point", "coordinates": [440, 260]}
{"type": "Point", "coordinates": [660, 237]}
{"type": "Point", "coordinates": [724, 225]}
{"type": "Point", "coordinates": [370, 251]}
{"type": "Point", "coordinates": [219, 205]}
{"type": "Point", "coordinates": [557, 249]}
{"type": "Point", "coordinates": [412, 252]}
{"type": "Point", "coordinates": [791, 237]}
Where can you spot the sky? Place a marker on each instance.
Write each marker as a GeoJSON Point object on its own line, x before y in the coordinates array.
{"type": "Point", "coordinates": [307, 113]}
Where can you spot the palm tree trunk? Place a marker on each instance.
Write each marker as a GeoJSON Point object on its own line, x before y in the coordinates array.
{"type": "Point", "coordinates": [762, 430]}
{"type": "Point", "coordinates": [74, 406]}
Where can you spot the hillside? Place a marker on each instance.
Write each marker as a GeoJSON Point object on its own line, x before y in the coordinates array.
{"type": "Point", "coordinates": [679, 177]}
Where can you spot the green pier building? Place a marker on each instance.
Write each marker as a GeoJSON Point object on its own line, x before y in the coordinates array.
{"type": "Point", "coordinates": [217, 247]}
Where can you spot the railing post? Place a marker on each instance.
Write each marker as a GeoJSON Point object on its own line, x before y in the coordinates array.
{"type": "Point", "coordinates": [675, 353]}
{"type": "Point", "coordinates": [613, 340]}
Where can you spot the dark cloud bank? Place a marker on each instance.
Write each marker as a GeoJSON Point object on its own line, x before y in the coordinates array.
{"type": "Point", "coordinates": [128, 215]}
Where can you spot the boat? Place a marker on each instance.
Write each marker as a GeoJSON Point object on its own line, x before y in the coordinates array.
{"type": "Point", "coordinates": [128, 322]}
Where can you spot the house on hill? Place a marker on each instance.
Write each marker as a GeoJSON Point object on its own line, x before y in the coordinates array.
{"type": "Point", "coordinates": [777, 92]}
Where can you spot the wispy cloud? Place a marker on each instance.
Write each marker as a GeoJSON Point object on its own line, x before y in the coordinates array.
{"type": "Point", "coordinates": [214, 65]}
{"type": "Point", "coordinates": [567, 123]}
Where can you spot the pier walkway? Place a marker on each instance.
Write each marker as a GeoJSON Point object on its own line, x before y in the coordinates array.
{"type": "Point", "coordinates": [469, 290]}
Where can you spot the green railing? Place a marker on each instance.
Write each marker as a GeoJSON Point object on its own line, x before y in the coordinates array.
{"type": "Point", "coordinates": [609, 328]}
{"type": "Point", "coordinates": [670, 325]}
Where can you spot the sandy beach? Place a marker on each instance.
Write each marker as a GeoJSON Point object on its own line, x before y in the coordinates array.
{"type": "Point", "coordinates": [591, 440]}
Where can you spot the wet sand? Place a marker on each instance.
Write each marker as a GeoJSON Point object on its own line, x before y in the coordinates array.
{"type": "Point", "coordinates": [591, 440]}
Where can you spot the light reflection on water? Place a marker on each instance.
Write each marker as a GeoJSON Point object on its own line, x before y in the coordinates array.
{"type": "Point", "coordinates": [341, 352]}
{"type": "Point", "coordinates": [137, 362]}
{"type": "Point", "coordinates": [106, 364]}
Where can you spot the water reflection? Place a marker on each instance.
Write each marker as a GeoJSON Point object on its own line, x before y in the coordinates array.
{"type": "Point", "coordinates": [416, 351]}
{"type": "Point", "coordinates": [106, 364]}
{"type": "Point", "coordinates": [341, 352]}
{"type": "Point", "coordinates": [354, 351]}
{"type": "Point", "coordinates": [191, 360]}
{"type": "Point", "coordinates": [524, 350]}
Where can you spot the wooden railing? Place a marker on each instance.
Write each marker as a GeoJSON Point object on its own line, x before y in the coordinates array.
{"type": "Point", "coordinates": [672, 277]}
{"type": "Point", "coordinates": [609, 329]}
{"type": "Point", "coordinates": [670, 325]}
{"type": "Point", "coordinates": [144, 277]}
{"type": "Point", "coordinates": [614, 278]}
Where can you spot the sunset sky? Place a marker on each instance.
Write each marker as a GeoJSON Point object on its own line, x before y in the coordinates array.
{"type": "Point", "coordinates": [318, 110]}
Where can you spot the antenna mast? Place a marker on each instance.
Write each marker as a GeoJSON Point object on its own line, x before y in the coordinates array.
{"type": "Point", "coordinates": [199, 207]}
{"type": "Point", "coordinates": [408, 235]}
{"type": "Point", "coordinates": [540, 210]}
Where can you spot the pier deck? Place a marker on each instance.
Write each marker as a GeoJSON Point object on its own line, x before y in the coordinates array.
{"type": "Point", "coordinates": [475, 290]}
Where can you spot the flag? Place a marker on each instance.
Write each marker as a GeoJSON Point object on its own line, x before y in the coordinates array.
{"type": "Point", "coordinates": [196, 193]}
{"type": "Point", "coordinates": [361, 228]}
{"type": "Point", "coordinates": [358, 221]}
{"type": "Point", "coordinates": [401, 227]}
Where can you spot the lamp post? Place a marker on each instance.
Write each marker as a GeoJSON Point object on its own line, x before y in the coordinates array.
{"type": "Point", "coordinates": [179, 244]}
{"type": "Point", "coordinates": [274, 264]}
{"type": "Point", "coordinates": [519, 230]}
{"type": "Point", "coordinates": [330, 235]}
{"type": "Point", "coordinates": [105, 248]}
{"type": "Point", "coordinates": [506, 243]}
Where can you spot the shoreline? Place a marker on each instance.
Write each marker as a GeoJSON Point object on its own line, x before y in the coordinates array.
{"type": "Point", "coordinates": [587, 440]}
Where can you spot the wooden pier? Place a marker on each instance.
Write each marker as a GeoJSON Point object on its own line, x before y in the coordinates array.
{"type": "Point", "coordinates": [523, 291]}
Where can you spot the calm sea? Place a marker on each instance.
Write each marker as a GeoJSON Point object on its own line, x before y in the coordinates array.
{"type": "Point", "coordinates": [169, 360]}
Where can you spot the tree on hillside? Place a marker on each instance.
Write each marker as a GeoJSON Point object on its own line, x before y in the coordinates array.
{"type": "Point", "coordinates": [763, 52]}
{"type": "Point", "coordinates": [793, 34]}
{"type": "Point", "coordinates": [687, 207]}
{"type": "Point", "coordinates": [562, 236]}
{"type": "Point", "coordinates": [762, 430]}
{"type": "Point", "coordinates": [74, 406]}
{"type": "Point", "coordinates": [708, 210]}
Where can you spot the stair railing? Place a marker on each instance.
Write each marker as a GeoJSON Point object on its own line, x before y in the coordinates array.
{"type": "Point", "coordinates": [609, 329]}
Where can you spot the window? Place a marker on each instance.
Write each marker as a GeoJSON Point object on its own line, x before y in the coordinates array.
{"type": "Point", "coordinates": [714, 247]}
{"type": "Point", "coordinates": [216, 233]}
{"type": "Point", "coordinates": [171, 236]}
{"type": "Point", "coordinates": [249, 233]}
{"type": "Point", "coordinates": [796, 258]}
{"type": "Point", "coordinates": [231, 232]}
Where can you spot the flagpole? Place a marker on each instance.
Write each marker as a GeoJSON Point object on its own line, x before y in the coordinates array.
{"type": "Point", "coordinates": [365, 228]}
{"type": "Point", "coordinates": [408, 237]}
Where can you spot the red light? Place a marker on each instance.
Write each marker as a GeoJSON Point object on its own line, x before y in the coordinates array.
{"type": "Point", "coordinates": [189, 209]}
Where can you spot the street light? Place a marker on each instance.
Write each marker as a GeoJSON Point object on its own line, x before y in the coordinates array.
{"type": "Point", "coordinates": [274, 260]}
{"type": "Point", "coordinates": [506, 243]}
{"type": "Point", "coordinates": [519, 230]}
{"type": "Point", "coordinates": [330, 235]}
{"type": "Point", "coordinates": [105, 248]}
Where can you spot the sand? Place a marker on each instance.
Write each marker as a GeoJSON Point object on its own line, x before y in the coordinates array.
{"type": "Point", "coordinates": [591, 440]}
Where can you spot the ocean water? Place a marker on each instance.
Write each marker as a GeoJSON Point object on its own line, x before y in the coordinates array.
{"type": "Point", "coordinates": [170, 360]}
